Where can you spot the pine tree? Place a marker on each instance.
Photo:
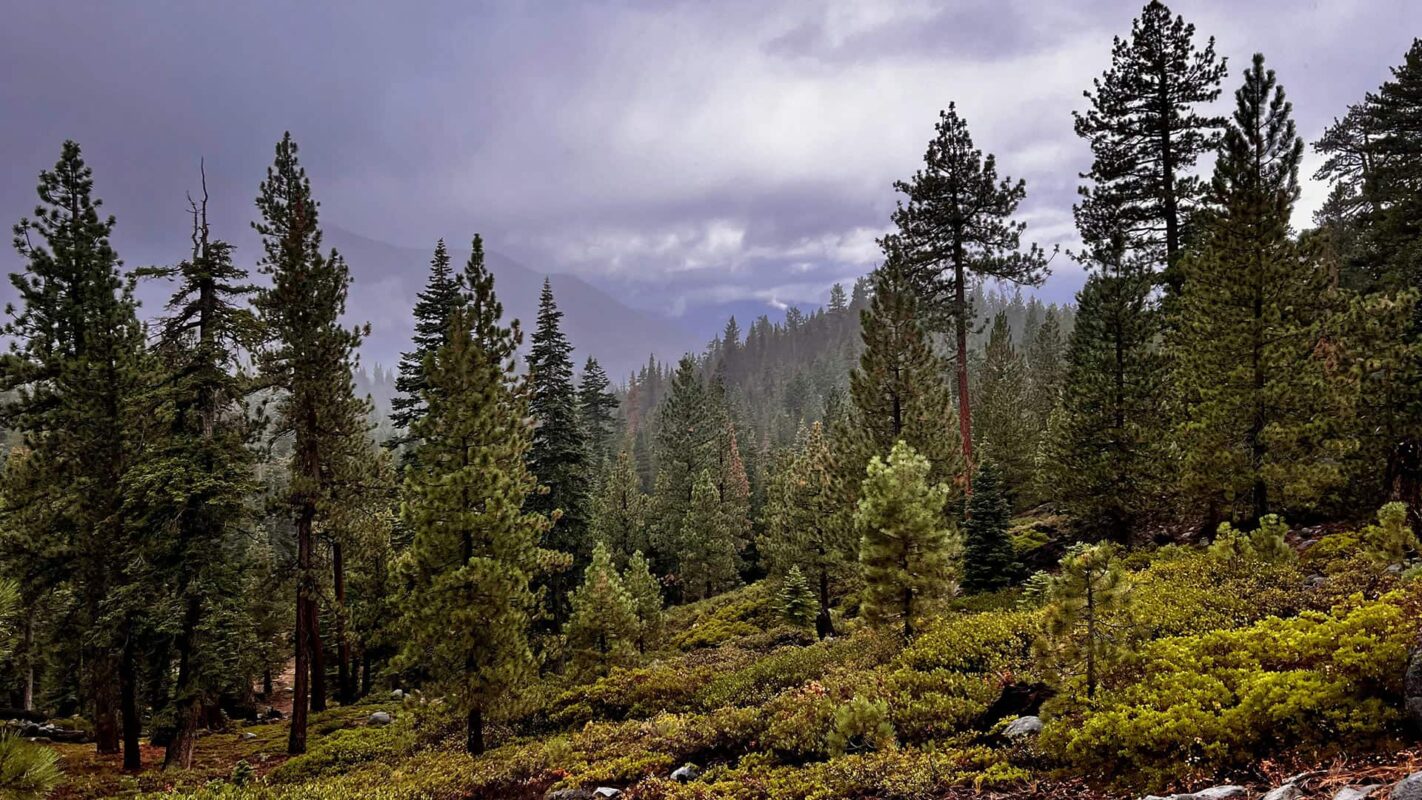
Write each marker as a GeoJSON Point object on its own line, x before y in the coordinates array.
{"type": "Point", "coordinates": [1256, 428]}
{"type": "Point", "coordinates": [988, 557]}
{"type": "Point", "coordinates": [706, 553]}
{"type": "Point", "coordinates": [1081, 638]}
{"type": "Point", "coordinates": [619, 518]}
{"type": "Point", "coordinates": [1006, 434]}
{"type": "Point", "coordinates": [1046, 369]}
{"type": "Point", "coordinates": [433, 307]}
{"type": "Point", "coordinates": [899, 390]}
{"type": "Point", "coordinates": [190, 493]}
{"type": "Point", "coordinates": [686, 444]}
{"type": "Point", "coordinates": [906, 549]}
{"type": "Point", "coordinates": [646, 593]}
{"type": "Point", "coordinates": [602, 630]}
{"type": "Point", "coordinates": [311, 358]}
{"type": "Point", "coordinates": [956, 228]}
{"type": "Point", "coordinates": [805, 530]}
{"type": "Point", "coordinates": [597, 406]}
{"type": "Point", "coordinates": [795, 599]}
{"type": "Point", "coordinates": [466, 610]}
{"type": "Point", "coordinates": [75, 344]}
{"type": "Point", "coordinates": [1146, 134]}
{"type": "Point", "coordinates": [1105, 450]}
{"type": "Point", "coordinates": [559, 455]}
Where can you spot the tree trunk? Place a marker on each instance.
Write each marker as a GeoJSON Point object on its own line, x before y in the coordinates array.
{"type": "Point", "coordinates": [27, 699]}
{"type": "Point", "coordinates": [1090, 639]}
{"type": "Point", "coordinates": [908, 615]}
{"type": "Point", "coordinates": [364, 672]}
{"type": "Point", "coordinates": [345, 686]}
{"type": "Point", "coordinates": [128, 690]}
{"type": "Point", "coordinates": [318, 652]}
{"type": "Point", "coordinates": [960, 368]}
{"type": "Point", "coordinates": [301, 691]}
{"type": "Point", "coordinates": [267, 687]}
{"type": "Point", "coordinates": [474, 735]}
{"type": "Point", "coordinates": [105, 696]}
{"type": "Point", "coordinates": [188, 700]}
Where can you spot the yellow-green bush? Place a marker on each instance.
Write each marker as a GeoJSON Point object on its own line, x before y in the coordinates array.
{"type": "Point", "coordinates": [1196, 703]}
{"type": "Point", "coordinates": [342, 749]}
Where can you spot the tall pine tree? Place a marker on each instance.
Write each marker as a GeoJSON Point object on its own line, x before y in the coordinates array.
{"type": "Point", "coordinates": [433, 307]}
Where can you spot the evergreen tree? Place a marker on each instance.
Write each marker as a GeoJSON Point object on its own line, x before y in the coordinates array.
{"type": "Point", "coordinates": [988, 557]}
{"type": "Point", "coordinates": [433, 307]}
{"type": "Point", "coordinates": [686, 444]}
{"type": "Point", "coordinates": [619, 518]}
{"type": "Point", "coordinates": [796, 600]}
{"type": "Point", "coordinates": [596, 407]}
{"type": "Point", "coordinates": [191, 490]}
{"type": "Point", "coordinates": [646, 593]}
{"type": "Point", "coordinates": [466, 610]}
{"type": "Point", "coordinates": [706, 552]}
{"type": "Point", "coordinates": [1081, 638]}
{"type": "Point", "coordinates": [1105, 449]}
{"type": "Point", "coordinates": [559, 455]}
{"type": "Point", "coordinates": [1046, 369]}
{"type": "Point", "coordinates": [906, 548]}
{"type": "Point", "coordinates": [311, 359]}
{"type": "Point", "coordinates": [956, 228]}
{"type": "Point", "coordinates": [1146, 134]}
{"type": "Point", "coordinates": [1006, 433]}
{"type": "Point", "coordinates": [899, 391]}
{"type": "Point", "coordinates": [72, 370]}
{"type": "Point", "coordinates": [804, 529]}
{"type": "Point", "coordinates": [602, 631]}
{"type": "Point", "coordinates": [1256, 429]}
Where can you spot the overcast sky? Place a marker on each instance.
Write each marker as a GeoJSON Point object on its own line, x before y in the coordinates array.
{"type": "Point", "coordinates": [687, 154]}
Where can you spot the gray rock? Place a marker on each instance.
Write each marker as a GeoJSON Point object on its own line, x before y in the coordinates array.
{"type": "Point", "coordinates": [1288, 791]}
{"type": "Point", "coordinates": [686, 773]}
{"type": "Point", "coordinates": [606, 791]}
{"type": "Point", "coordinates": [246, 736]}
{"type": "Point", "coordinates": [569, 794]}
{"type": "Point", "coordinates": [380, 718]}
{"type": "Point", "coordinates": [1356, 792]}
{"type": "Point", "coordinates": [1409, 788]}
{"type": "Point", "coordinates": [1023, 727]}
{"type": "Point", "coordinates": [398, 694]}
{"type": "Point", "coordinates": [1394, 569]}
{"type": "Point", "coordinates": [1212, 793]}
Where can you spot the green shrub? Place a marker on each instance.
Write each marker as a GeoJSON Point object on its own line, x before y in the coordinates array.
{"type": "Point", "coordinates": [861, 725]}
{"type": "Point", "coordinates": [26, 770]}
{"type": "Point", "coordinates": [1194, 704]}
{"type": "Point", "coordinates": [339, 750]}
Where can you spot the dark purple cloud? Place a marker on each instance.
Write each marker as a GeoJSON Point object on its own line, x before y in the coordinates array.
{"type": "Point", "coordinates": [688, 155]}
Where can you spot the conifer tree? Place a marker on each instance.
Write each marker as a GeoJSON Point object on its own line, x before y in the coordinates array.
{"type": "Point", "coordinates": [1081, 638]}
{"type": "Point", "coordinates": [796, 600]}
{"type": "Point", "coordinates": [602, 630]}
{"type": "Point", "coordinates": [475, 549]}
{"type": "Point", "coordinates": [75, 344]}
{"type": "Point", "coordinates": [1005, 430]}
{"type": "Point", "coordinates": [1046, 369]}
{"type": "Point", "coordinates": [1146, 132]}
{"type": "Point", "coordinates": [433, 307]}
{"type": "Point", "coordinates": [706, 552]}
{"type": "Point", "coordinates": [988, 557]}
{"type": "Point", "coordinates": [311, 358]}
{"type": "Point", "coordinates": [899, 390]}
{"type": "Point", "coordinates": [646, 593]}
{"type": "Point", "coordinates": [956, 228]}
{"type": "Point", "coordinates": [1256, 430]}
{"type": "Point", "coordinates": [596, 407]}
{"type": "Point", "coordinates": [906, 549]}
{"type": "Point", "coordinates": [1105, 451]}
{"type": "Point", "coordinates": [619, 517]}
{"type": "Point", "coordinates": [190, 493]}
{"type": "Point", "coordinates": [558, 457]}
{"type": "Point", "coordinates": [686, 442]}
{"type": "Point", "coordinates": [804, 529]}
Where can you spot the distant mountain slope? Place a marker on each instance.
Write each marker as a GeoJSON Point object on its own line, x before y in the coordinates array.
{"type": "Point", "coordinates": [387, 277]}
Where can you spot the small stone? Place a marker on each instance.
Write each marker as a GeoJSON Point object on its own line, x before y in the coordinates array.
{"type": "Point", "coordinates": [380, 718]}
{"type": "Point", "coordinates": [246, 736]}
{"type": "Point", "coordinates": [1409, 788]}
{"type": "Point", "coordinates": [1288, 791]}
{"type": "Point", "coordinates": [1023, 727]}
{"type": "Point", "coordinates": [606, 791]}
{"type": "Point", "coordinates": [398, 694]}
{"type": "Point", "coordinates": [686, 773]}
{"type": "Point", "coordinates": [569, 794]}
{"type": "Point", "coordinates": [1217, 793]}
{"type": "Point", "coordinates": [1356, 792]}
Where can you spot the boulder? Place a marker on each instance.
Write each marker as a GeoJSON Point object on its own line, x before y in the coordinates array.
{"type": "Point", "coordinates": [1212, 793]}
{"type": "Point", "coordinates": [1356, 792]}
{"type": "Point", "coordinates": [398, 694]}
{"type": "Point", "coordinates": [686, 773]}
{"type": "Point", "coordinates": [1288, 791]}
{"type": "Point", "coordinates": [1409, 788]}
{"type": "Point", "coordinates": [246, 736]}
{"type": "Point", "coordinates": [1023, 727]}
{"type": "Point", "coordinates": [379, 718]}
